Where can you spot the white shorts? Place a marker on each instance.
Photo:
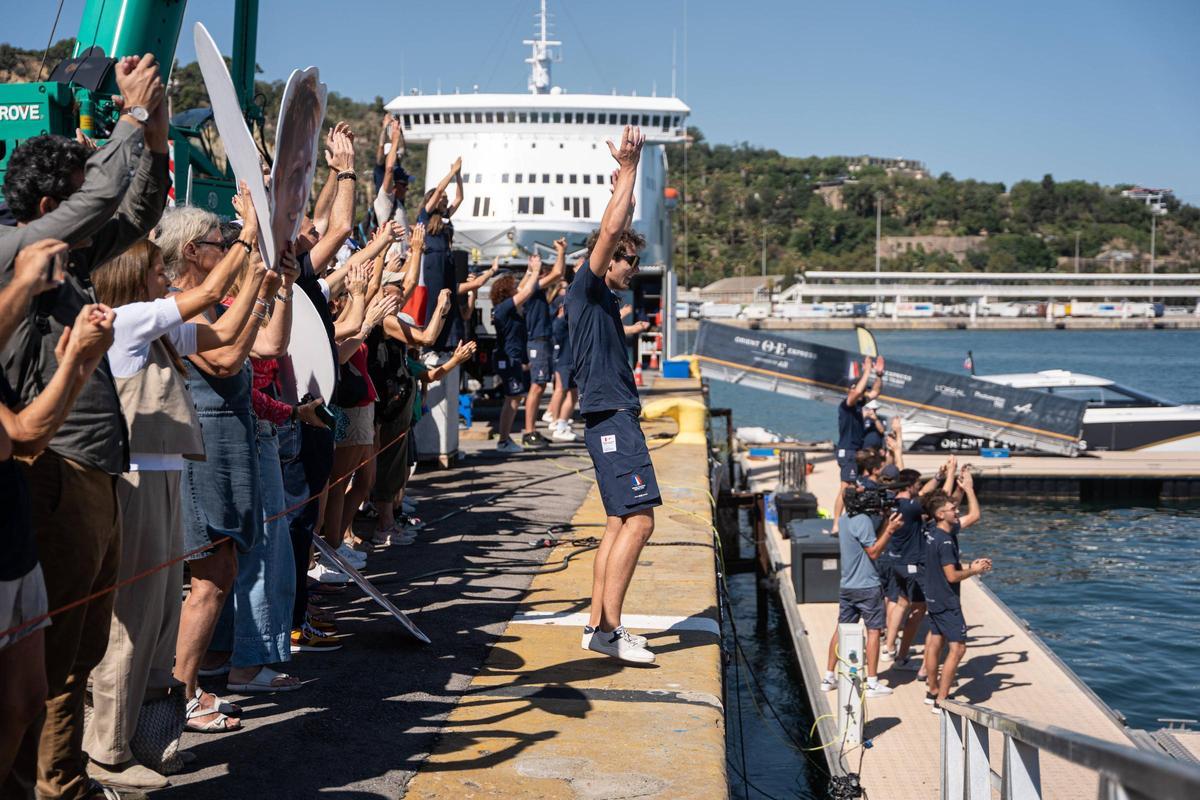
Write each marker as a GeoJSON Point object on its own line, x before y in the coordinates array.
{"type": "Point", "coordinates": [361, 427]}
{"type": "Point", "coordinates": [21, 600]}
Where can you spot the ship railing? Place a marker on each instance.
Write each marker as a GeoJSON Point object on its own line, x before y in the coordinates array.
{"type": "Point", "coordinates": [1125, 773]}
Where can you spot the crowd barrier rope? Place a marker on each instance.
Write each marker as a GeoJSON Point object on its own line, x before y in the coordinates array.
{"type": "Point", "coordinates": [29, 623]}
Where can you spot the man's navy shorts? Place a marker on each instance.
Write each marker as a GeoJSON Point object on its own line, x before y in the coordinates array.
{"type": "Point", "coordinates": [948, 623]}
{"type": "Point", "coordinates": [562, 368]}
{"type": "Point", "coordinates": [848, 461]}
{"type": "Point", "coordinates": [903, 583]}
{"type": "Point", "coordinates": [864, 604]}
{"type": "Point", "coordinates": [539, 361]}
{"type": "Point", "coordinates": [515, 378]}
{"type": "Point", "coordinates": [624, 471]}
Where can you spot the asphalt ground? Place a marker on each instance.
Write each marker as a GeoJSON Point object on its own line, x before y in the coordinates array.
{"type": "Point", "coordinates": [370, 713]}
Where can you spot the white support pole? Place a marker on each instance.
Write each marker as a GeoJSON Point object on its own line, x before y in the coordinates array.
{"type": "Point", "coordinates": [1022, 777]}
{"type": "Point", "coordinates": [953, 756]}
{"type": "Point", "coordinates": [978, 777]}
{"type": "Point", "coordinates": [896, 308]}
{"type": "Point", "coordinates": [852, 675]}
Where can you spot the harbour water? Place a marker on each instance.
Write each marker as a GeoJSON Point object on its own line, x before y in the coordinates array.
{"type": "Point", "coordinates": [1110, 590]}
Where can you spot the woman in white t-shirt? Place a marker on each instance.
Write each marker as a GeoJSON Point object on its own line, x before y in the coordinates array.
{"type": "Point", "coordinates": [153, 332]}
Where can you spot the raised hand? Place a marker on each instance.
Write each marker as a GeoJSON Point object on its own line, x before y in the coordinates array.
{"type": "Point", "coordinates": [456, 167]}
{"type": "Point", "coordinates": [629, 152]}
{"type": "Point", "coordinates": [879, 366]}
{"type": "Point", "coordinates": [339, 154]}
{"type": "Point", "coordinates": [443, 303]}
{"type": "Point", "coordinates": [244, 206]}
{"type": "Point", "coordinates": [139, 82]}
{"type": "Point", "coordinates": [560, 244]}
{"type": "Point", "coordinates": [271, 283]}
{"type": "Point", "coordinates": [382, 306]}
{"type": "Point", "coordinates": [966, 480]}
{"type": "Point", "coordinates": [357, 278]}
{"type": "Point", "coordinates": [894, 521]}
{"type": "Point", "coordinates": [92, 334]}
{"type": "Point", "coordinates": [416, 238]}
{"type": "Point", "coordinates": [626, 310]}
{"type": "Point", "coordinates": [39, 266]}
{"type": "Point", "coordinates": [288, 265]}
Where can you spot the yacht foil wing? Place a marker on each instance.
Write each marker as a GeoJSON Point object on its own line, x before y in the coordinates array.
{"type": "Point", "coordinates": [763, 360]}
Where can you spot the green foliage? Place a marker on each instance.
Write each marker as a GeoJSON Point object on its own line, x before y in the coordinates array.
{"type": "Point", "coordinates": [735, 192]}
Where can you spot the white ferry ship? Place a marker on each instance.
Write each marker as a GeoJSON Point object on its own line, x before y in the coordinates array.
{"type": "Point", "coordinates": [535, 166]}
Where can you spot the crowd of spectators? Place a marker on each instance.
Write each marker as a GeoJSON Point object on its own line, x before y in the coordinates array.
{"type": "Point", "coordinates": [148, 418]}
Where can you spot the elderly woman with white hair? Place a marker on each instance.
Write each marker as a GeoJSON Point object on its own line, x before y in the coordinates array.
{"type": "Point", "coordinates": [222, 496]}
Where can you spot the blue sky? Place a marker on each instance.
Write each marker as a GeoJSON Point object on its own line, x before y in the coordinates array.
{"type": "Point", "coordinates": [1101, 90]}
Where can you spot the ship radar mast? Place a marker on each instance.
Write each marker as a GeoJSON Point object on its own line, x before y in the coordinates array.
{"type": "Point", "coordinates": [541, 58]}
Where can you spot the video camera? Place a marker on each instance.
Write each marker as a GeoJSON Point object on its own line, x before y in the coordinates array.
{"type": "Point", "coordinates": [878, 501]}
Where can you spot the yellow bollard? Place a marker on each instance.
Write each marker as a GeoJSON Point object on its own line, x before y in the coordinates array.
{"type": "Point", "coordinates": [690, 415]}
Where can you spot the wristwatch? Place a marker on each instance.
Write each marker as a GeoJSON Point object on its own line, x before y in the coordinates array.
{"type": "Point", "coordinates": [139, 113]}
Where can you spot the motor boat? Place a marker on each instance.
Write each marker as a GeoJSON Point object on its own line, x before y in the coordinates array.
{"type": "Point", "coordinates": [1117, 417]}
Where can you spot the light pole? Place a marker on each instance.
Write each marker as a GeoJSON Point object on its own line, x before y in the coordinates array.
{"type": "Point", "coordinates": [764, 248]}
{"type": "Point", "coordinates": [878, 230]}
{"type": "Point", "coordinates": [1153, 231]}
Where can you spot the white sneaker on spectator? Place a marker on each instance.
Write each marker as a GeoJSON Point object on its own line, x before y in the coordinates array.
{"type": "Point", "coordinates": [885, 654]}
{"type": "Point", "coordinates": [508, 446]}
{"type": "Point", "coordinates": [353, 557]}
{"type": "Point", "coordinates": [828, 684]}
{"type": "Point", "coordinates": [548, 418]}
{"type": "Point", "coordinates": [323, 574]}
{"type": "Point", "coordinates": [620, 645]}
{"type": "Point", "coordinates": [878, 690]}
{"type": "Point", "coordinates": [563, 434]}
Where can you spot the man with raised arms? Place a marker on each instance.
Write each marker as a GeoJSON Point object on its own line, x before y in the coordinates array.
{"type": "Point", "coordinates": [610, 406]}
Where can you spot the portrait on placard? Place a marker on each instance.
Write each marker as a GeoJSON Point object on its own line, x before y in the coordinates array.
{"type": "Point", "coordinates": [297, 145]}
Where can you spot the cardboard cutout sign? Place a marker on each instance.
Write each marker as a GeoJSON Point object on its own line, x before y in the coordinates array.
{"type": "Point", "coordinates": [239, 144]}
{"type": "Point", "coordinates": [297, 143]}
{"type": "Point", "coordinates": [313, 363]}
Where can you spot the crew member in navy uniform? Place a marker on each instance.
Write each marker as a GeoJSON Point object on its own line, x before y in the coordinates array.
{"type": "Point", "coordinates": [940, 581]}
{"type": "Point", "coordinates": [539, 328]}
{"type": "Point", "coordinates": [873, 429]}
{"type": "Point", "coordinates": [508, 298]}
{"type": "Point", "coordinates": [609, 402]}
{"type": "Point", "coordinates": [851, 428]}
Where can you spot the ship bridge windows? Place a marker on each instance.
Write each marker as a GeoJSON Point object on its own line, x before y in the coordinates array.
{"type": "Point", "coordinates": [518, 178]}
{"type": "Point", "coordinates": [457, 118]}
{"type": "Point", "coordinates": [591, 118]}
{"type": "Point", "coordinates": [522, 117]}
{"type": "Point", "coordinates": [558, 178]}
{"type": "Point", "coordinates": [504, 178]}
{"type": "Point", "coordinates": [437, 119]}
{"type": "Point", "coordinates": [533, 177]}
{"type": "Point", "coordinates": [557, 116]}
{"type": "Point", "coordinates": [482, 207]}
{"type": "Point", "coordinates": [489, 117]}
{"type": "Point", "coordinates": [587, 178]}
{"type": "Point", "coordinates": [600, 179]}
{"type": "Point", "coordinates": [574, 177]}
{"type": "Point", "coordinates": [624, 119]}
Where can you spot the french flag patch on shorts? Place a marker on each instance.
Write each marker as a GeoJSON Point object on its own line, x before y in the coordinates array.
{"type": "Point", "coordinates": [637, 483]}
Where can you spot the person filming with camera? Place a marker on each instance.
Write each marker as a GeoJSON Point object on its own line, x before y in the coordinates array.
{"type": "Point", "coordinates": [863, 536]}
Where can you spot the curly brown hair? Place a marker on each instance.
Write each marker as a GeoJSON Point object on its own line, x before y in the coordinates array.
{"type": "Point", "coordinates": [629, 244]}
{"type": "Point", "coordinates": [503, 288]}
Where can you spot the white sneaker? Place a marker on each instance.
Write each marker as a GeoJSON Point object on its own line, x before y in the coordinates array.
{"type": "Point", "coordinates": [886, 654]}
{"type": "Point", "coordinates": [588, 630]}
{"type": "Point", "coordinates": [620, 645]}
{"type": "Point", "coordinates": [323, 574]}
{"type": "Point", "coordinates": [828, 684]}
{"type": "Point", "coordinates": [563, 434]}
{"type": "Point", "coordinates": [548, 418]}
{"type": "Point", "coordinates": [878, 690]}
{"type": "Point", "coordinates": [508, 446]}
{"type": "Point", "coordinates": [353, 557]}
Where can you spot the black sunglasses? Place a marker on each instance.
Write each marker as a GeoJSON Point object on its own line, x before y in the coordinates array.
{"type": "Point", "coordinates": [632, 261]}
{"type": "Point", "coordinates": [223, 245]}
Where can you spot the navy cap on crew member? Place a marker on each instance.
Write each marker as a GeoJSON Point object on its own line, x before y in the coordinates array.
{"type": "Point", "coordinates": [890, 472]}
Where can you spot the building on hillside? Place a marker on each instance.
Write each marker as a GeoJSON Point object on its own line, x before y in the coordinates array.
{"type": "Point", "coordinates": [1156, 199]}
{"type": "Point", "coordinates": [906, 167]}
{"type": "Point", "coordinates": [830, 191]}
{"type": "Point", "coordinates": [957, 246]}
{"type": "Point", "coordinates": [744, 289]}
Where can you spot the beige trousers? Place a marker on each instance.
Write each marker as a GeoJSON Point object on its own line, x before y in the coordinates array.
{"type": "Point", "coordinates": [145, 620]}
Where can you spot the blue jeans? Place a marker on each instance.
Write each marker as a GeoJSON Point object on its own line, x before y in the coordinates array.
{"type": "Point", "coordinates": [306, 455]}
{"type": "Point", "coordinates": [265, 588]}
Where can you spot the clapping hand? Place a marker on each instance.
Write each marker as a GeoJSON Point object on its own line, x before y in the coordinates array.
{"type": "Point", "coordinates": [357, 278]}
{"type": "Point", "coordinates": [981, 565]}
{"type": "Point", "coordinates": [966, 480]}
{"type": "Point", "coordinates": [462, 353]}
{"type": "Point", "coordinates": [89, 338]}
{"type": "Point", "coordinates": [456, 167]}
{"type": "Point", "coordinates": [139, 82]}
{"type": "Point", "coordinates": [339, 148]}
{"type": "Point", "coordinates": [383, 305]}
{"type": "Point", "coordinates": [244, 207]}
{"type": "Point", "coordinates": [288, 264]}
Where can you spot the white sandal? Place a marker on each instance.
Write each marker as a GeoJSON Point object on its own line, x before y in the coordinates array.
{"type": "Point", "coordinates": [219, 724]}
{"type": "Point", "coordinates": [264, 681]}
